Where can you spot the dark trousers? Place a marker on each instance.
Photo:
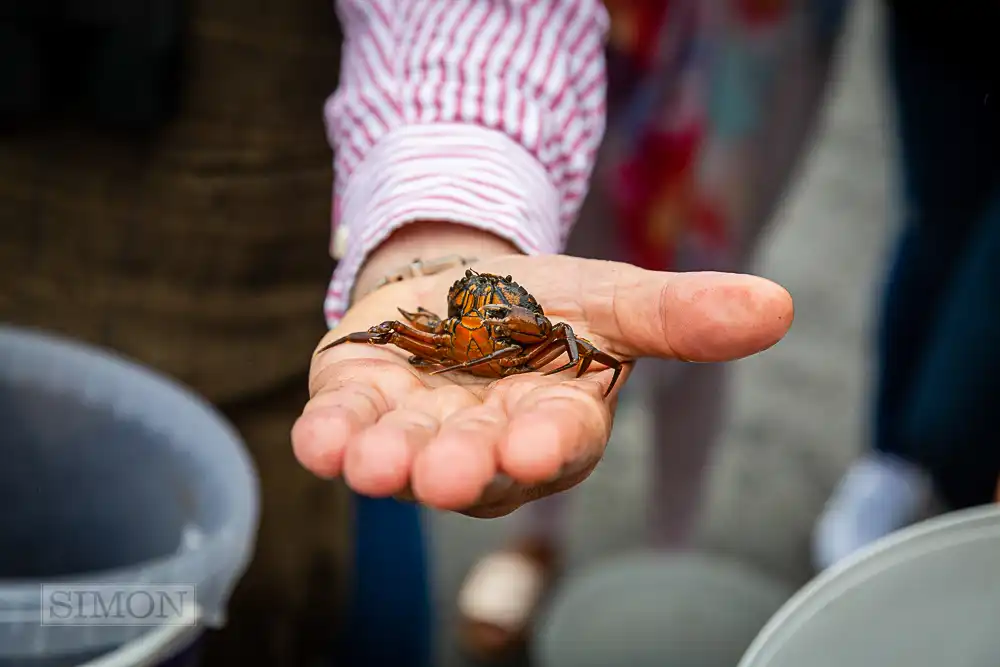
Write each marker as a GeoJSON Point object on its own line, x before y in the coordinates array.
{"type": "Point", "coordinates": [938, 383]}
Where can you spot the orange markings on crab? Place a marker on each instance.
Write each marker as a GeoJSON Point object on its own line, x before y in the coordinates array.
{"type": "Point", "coordinates": [494, 328]}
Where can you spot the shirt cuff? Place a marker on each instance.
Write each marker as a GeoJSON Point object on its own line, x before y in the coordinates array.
{"type": "Point", "coordinates": [455, 172]}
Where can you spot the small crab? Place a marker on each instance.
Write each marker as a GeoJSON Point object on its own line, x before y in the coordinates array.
{"type": "Point", "coordinates": [494, 328]}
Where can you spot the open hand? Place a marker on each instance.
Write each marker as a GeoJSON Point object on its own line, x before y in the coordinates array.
{"type": "Point", "coordinates": [485, 447]}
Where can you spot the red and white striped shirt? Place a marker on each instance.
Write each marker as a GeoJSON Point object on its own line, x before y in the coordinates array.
{"type": "Point", "coordinates": [487, 113]}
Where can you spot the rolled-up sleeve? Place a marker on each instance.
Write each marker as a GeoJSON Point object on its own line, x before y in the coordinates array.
{"type": "Point", "coordinates": [486, 113]}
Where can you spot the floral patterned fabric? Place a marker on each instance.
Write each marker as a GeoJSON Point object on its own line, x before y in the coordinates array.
{"type": "Point", "coordinates": [711, 102]}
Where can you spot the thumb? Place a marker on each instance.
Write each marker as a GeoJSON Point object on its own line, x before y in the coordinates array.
{"type": "Point", "coordinates": [698, 316]}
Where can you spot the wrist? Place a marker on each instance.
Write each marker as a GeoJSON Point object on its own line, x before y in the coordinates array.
{"type": "Point", "coordinates": [428, 239]}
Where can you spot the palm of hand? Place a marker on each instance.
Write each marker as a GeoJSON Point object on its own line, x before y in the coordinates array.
{"type": "Point", "coordinates": [484, 446]}
{"type": "Point", "coordinates": [485, 431]}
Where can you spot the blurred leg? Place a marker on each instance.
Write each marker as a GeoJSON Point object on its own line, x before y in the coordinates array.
{"type": "Point", "coordinates": [950, 422]}
{"type": "Point", "coordinates": [688, 406]}
{"type": "Point", "coordinates": [949, 163]}
{"type": "Point", "coordinates": [500, 596]}
{"type": "Point", "coordinates": [390, 592]}
{"type": "Point", "coordinates": [544, 519]}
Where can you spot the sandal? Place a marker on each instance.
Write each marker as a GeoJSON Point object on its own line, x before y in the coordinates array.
{"type": "Point", "coordinates": [500, 597]}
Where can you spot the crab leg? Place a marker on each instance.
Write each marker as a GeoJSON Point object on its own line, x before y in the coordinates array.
{"type": "Point", "coordinates": [561, 339]}
{"type": "Point", "coordinates": [543, 353]}
{"type": "Point", "coordinates": [496, 354]}
{"type": "Point", "coordinates": [553, 351]}
{"type": "Point", "coordinates": [571, 340]}
{"type": "Point", "coordinates": [537, 357]}
{"type": "Point", "coordinates": [593, 354]}
{"type": "Point", "coordinates": [564, 340]}
{"type": "Point", "coordinates": [383, 334]}
{"type": "Point", "coordinates": [428, 349]}
{"type": "Point", "coordinates": [424, 320]}
{"type": "Point", "coordinates": [573, 350]}
{"type": "Point", "coordinates": [590, 354]}
{"type": "Point", "coordinates": [405, 342]}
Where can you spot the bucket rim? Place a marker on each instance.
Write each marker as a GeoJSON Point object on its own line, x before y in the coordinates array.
{"type": "Point", "coordinates": [223, 551]}
{"type": "Point", "coordinates": [155, 647]}
{"type": "Point", "coordinates": [969, 525]}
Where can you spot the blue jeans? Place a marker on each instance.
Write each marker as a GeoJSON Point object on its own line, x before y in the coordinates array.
{"type": "Point", "coordinates": [938, 384]}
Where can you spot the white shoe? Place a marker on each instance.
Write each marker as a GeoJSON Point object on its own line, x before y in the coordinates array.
{"type": "Point", "coordinates": [501, 596]}
{"type": "Point", "coordinates": [879, 495]}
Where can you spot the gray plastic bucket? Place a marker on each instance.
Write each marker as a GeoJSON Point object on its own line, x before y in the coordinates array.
{"type": "Point", "coordinates": [657, 609]}
{"type": "Point", "coordinates": [167, 646]}
{"type": "Point", "coordinates": [926, 596]}
{"type": "Point", "coordinates": [112, 477]}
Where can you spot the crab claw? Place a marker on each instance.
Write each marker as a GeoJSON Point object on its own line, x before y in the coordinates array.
{"type": "Point", "coordinates": [380, 334]}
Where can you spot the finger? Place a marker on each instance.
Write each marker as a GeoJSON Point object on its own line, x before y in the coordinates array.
{"type": "Point", "coordinates": [391, 376]}
{"type": "Point", "coordinates": [698, 316]}
{"type": "Point", "coordinates": [509, 497]}
{"type": "Point", "coordinates": [555, 430]}
{"type": "Point", "coordinates": [348, 396]}
{"type": "Point", "coordinates": [707, 317]}
{"type": "Point", "coordinates": [377, 462]}
{"type": "Point", "coordinates": [331, 420]}
{"type": "Point", "coordinates": [452, 472]}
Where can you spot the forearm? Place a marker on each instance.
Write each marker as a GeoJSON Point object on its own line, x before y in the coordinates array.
{"type": "Point", "coordinates": [428, 240]}
{"type": "Point", "coordinates": [483, 113]}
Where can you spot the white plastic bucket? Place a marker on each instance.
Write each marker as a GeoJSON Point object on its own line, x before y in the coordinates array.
{"type": "Point", "coordinates": [927, 596]}
{"type": "Point", "coordinates": [112, 476]}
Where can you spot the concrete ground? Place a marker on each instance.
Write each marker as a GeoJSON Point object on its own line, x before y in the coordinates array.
{"type": "Point", "coordinates": [800, 409]}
